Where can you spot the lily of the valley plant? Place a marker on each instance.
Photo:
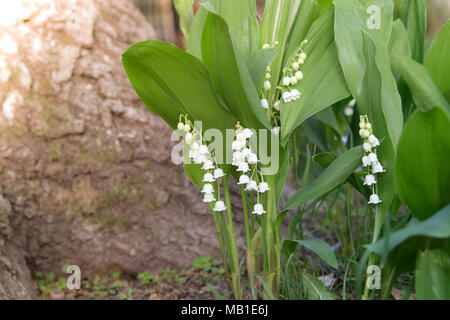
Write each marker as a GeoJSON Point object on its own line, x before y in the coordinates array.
{"type": "Point", "coordinates": [308, 72]}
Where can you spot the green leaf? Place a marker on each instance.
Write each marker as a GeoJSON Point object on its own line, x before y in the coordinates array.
{"type": "Point", "coordinates": [186, 13]}
{"type": "Point", "coordinates": [437, 60]}
{"type": "Point", "coordinates": [331, 177]}
{"type": "Point", "coordinates": [414, 16]}
{"type": "Point", "coordinates": [315, 290]}
{"type": "Point", "coordinates": [437, 226]}
{"type": "Point", "coordinates": [230, 74]}
{"type": "Point", "coordinates": [433, 275]}
{"type": "Point", "coordinates": [321, 71]}
{"type": "Point", "coordinates": [258, 63]}
{"type": "Point", "coordinates": [399, 39]}
{"type": "Point", "coordinates": [240, 16]}
{"type": "Point", "coordinates": [194, 40]}
{"type": "Point", "coordinates": [422, 169]}
{"type": "Point", "coordinates": [282, 174]}
{"type": "Point", "coordinates": [425, 92]}
{"type": "Point", "coordinates": [320, 247]}
{"type": "Point", "coordinates": [171, 82]}
{"type": "Point", "coordinates": [326, 159]}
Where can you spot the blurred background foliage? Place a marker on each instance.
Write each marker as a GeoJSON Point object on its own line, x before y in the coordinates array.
{"type": "Point", "coordinates": [162, 15]}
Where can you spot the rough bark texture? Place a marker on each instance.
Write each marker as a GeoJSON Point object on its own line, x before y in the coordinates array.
{"type": "Point", "coordinates": [85, 170]}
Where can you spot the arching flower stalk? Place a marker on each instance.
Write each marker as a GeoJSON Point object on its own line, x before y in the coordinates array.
{"type": "Point", "coordinates": [370, 160]}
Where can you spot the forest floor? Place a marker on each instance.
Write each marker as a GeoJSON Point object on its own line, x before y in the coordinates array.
{"type": "Point", "coordinates": [204, 280]}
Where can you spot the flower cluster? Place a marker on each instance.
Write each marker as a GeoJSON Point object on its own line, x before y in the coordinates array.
{"type": "Point", "coordinates": [199, 153]}
{"type": "Point", "coordinates": [370, 159]}
{"type": "Point", "coordinates": [246, 162]}
{"type": "Point", "coordinates": [292, 75]}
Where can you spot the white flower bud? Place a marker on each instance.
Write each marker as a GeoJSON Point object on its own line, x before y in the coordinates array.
{"type": "Point", "coordinates": [189, 138]}
{"type": "Point", "coordinates": [208, 177]}
{"type": "Point", "coordinates": [252, 158]}
{"type": "Point", "coordinates": [180, 126]}
{"type": "Point", "coordinates": [303, 56]}
{"type": "Point", "coordinates": [300, 61]}
{"type": "Point", "coordinates": [276, 131]}
{"type": "Point", "coordinates": [294, 80]}
{"type": "Point", "coordinates": [276, 105]}
{"type": "Point", "coordinates": [247, 133]}
{"type": "Point", "coordinates": [373, 141]}
{"type": "Point", "coordinates": [299, 75]}
{"type": "Point", "coordinates": [295, 66]}
{"type": "Point", "coordinates": [367, 147]}
{"type": "Point", "coordinates": [377, 168]}
{"type": "Point", "coordinates": [267, 85]}
{"type": "Point", "coordinates": [244, 179]}
{"type": "Point", "coordinates": [362, 125]}
{"type": "Point", "coordinates": [187, 128]}
{"type": "Point", "coordinates": [208, 188]}
{"type": "Point", "coordinates": [267, 76]}
{"type": "Point", "coordinates": [348, 111]}
{"type": "Point", "coordinates": [208, 165]}
{"type": "Point", "coordinates": [218, 173]}
{"type": "Point", "coordinates": [287, 97]}
{"type": "Point", "coordinates": [372, 158]}
{"type": "Point", "coordinates": [266, 46]}
{"type": "Point", "coordinates": [286, 81]}
{"type": "Point", "coordinates": [368, 126]}
{"type": "Point", "coordinates": [208, 197]}
{"type": "Point", "coordinates": [203, 149]}
{"type": "Point", "coordinates": [251, 186]}
{"type": "Point", "coordinates": [243, 167]}
{"type": "Point", "coordinates": [264, 103]}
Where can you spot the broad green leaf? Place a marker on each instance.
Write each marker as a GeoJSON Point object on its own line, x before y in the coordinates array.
{"type": "Point", "coordinates": [314, 289]}
{"type": "Point", "coordinates": [425, 92]}
{"type": "Point", "coordinates": [422, 170]}
{"type": "Point", "coordinates": [433, 275]}
{"type": "Point", "coordinates": [186, 13]}
{"type": "Point", "coordinates": [320, 247]}
{"type": "Point", "coordinates": [437, 226]}
{"type": "Point", "coordinates": [437, 60]}
{"type": "Point", "coordinates": [399, 39]}
{"type": "Point", "coordinates": [364, 56]}
{"type": "Point", "coordinates": [331, 177]}
{"type": "Point", "coordinates": [240, 16]}
{"type": "Point", "coordinates": [414, 16]}
{"type": "Point", "coordinates": [230, 74]}
{"type": "Point", "coordinates": [321, 72]}
{"type": "Point", "coordinates": [326, 159]}
{"type": "Point", "coordinates": [172, 82]}
{"type": "Point", "coordinates": [258, 63]}
{"type": "Point", "coordinates": [194, 40]}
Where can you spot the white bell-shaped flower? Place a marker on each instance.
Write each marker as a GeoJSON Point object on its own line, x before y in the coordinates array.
{"type": "Point", "coordinates": [258, 209]}
{"type": "Point", "coordinates": [367, 147]}
{"type": "Point", "coordinates": [287, 97]}
{"type": "Point", "coordinates": [365, 161]}
{"type": "Point", "coordinates": [180, 126]}
{"type": "Point", "coordinates": [189, 138]}
{"type": "Point", "coordinates": [240, 136]}
{"type": "Point", "coordinates": [195, 146]}
{"type": "Point", "coordinates": [246, 152]}
{"type": "Point", "coordinates": [193, 154]}
{"type": "Point", "coordinates": [219, 206]}
{"type": "Point", "coordinates": [377, 168]}
{"type": "Point", "coordinates": [187, 128]}
{"type": "Point", "coordinates": [303, 56]}
{"type": "Point", "coordinates": [299, 75]}
{"type": "Point", "coordinates": [265, 103]}
{"type": "Point", "coordinates": [276, 131]}
{"type": "Point", "coordinates": [199, 158]}
{"type": "Point", "coordinates": [372, 158]}
{"type": "Point", "coordinates": [243, 167]}
{"type": "Point", "coordinates": [238, 157]}
{"type": "Point", "coordinates": [276, 105]}
{"type": "Point", "coordinates": [252, 158]}
{"type": "Point", "coordinates": [295, 66]}
{"type": "Point", "coordinates": [301, 61]}
{"type": "Point", "coordinates": [348, 111]}
{"type": "Point", "coordinates": [369, 180]}
{"type": "Point", "coordinates": [244, 179]}
{"type": "Point", "coordinates": [263, 187]}
{"type": "Point", "coordinates": [247, 133]}
{"type": "Point", "coordinates": [203, 149]}
{"type": "Point", "coordinates": [207, 165]}
{"type": "Point", "coordinates": [218, 173]}
{"type": "Point", "coordinates": [208, 197]}
{"type": "Point", "coordinates": [295, 94]}
{"type": "Point", "coordinates": [374, 199]}
{"type": "Point", "coordinates": [267, 84]}
{"type": "Point", "coordinates": [251, 186]}
{"type": "Point", "coordinates": [208, 177]}
{"type": "Point", "coordinates": [236, 145]}
{"type": "Point", "coordinates": [294, 80]}
{"type": "Point", "coordinates": [208, 188]}
{"type": "Point", "coordinates": [286, 81]}
{"type": "Point", "coordinates": [373, 141]}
